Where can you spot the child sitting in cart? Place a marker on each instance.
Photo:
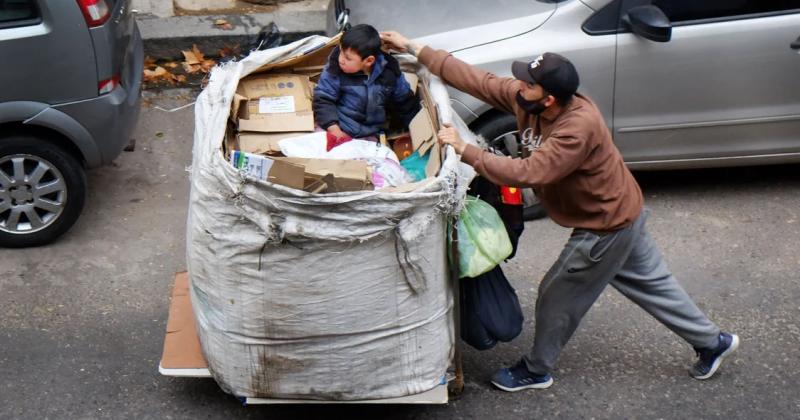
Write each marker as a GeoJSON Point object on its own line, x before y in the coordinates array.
{"type": "Point", "coordinates": [356, 86]}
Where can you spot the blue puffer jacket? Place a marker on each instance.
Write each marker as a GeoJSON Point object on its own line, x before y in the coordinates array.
{"type": "Point", "coordinates": [357, 102]}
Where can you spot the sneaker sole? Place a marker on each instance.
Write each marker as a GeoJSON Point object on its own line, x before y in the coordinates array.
{"type": "Point", "coordinates": [542, 385]}
{"type": "Point", "coordinates": [715, 366]}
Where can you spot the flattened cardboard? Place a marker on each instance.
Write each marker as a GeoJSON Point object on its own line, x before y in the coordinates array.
{"type": "Point", "coordinates": [315, 56]}
{"type": "Point", "coordinates": [237, 106]}
{"type": "Point", "coordinates": [263, 143]}
{"type": "Point", "coordinates": [274, 123]}
{"type": "Point", "coordinates": [422, 135]}
{"type": "Point", "coordinates": [276, 171]}
{"type": "Point", "coordinates": [412, 79]}
{"type": "Point", "coordinates": [287, 174]}
{"type": "Point", "coordinates": [434, 161]}
{"type": "Point", "coordinates": [348, 175]}
{"type": "Point", "coordinates": [181, 344]}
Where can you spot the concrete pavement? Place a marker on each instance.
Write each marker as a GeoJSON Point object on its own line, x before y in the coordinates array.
{"type": "Point", "coordinates": [166, 37]}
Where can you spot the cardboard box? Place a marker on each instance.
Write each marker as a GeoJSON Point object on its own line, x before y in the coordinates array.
{"type": "Point", "coordinates": [263, 143]}
{"type": "Point", "coordinates": [274, 103]}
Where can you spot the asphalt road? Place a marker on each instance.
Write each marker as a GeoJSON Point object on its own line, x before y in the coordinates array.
{"type": "Point", "coordinates": [82, 320]}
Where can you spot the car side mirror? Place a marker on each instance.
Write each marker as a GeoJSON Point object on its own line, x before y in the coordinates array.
{"type": "Point", "coordinates": [649, 22]}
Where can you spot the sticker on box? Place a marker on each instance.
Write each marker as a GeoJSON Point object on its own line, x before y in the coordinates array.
{"type": "Point", "coordinates": [276, 105]}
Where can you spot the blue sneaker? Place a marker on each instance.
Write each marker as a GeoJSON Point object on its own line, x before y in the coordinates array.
{"type": "Point", "coordinates": [710, 359]}
{"type": "Point", "coordinates": [518, 377]}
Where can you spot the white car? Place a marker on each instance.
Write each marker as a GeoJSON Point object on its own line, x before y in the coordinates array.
{"type": "Point", "coordinates": [681, 83]}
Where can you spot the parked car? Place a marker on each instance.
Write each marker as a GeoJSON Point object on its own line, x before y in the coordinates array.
{"type": "Point", "coordinates": [69, 100]}
{"type": "Point", "coordinates": [681, 83]}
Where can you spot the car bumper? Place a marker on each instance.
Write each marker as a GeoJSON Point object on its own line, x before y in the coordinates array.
{"type": "Point", "coordinates": [111, 119]}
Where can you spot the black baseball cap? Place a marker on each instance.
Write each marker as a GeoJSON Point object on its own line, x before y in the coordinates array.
{"type": "Point", "coordinates": [552, 71]}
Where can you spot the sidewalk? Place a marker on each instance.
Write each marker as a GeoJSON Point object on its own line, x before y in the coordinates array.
{"type": "Point", "coordinates": [164, 38]}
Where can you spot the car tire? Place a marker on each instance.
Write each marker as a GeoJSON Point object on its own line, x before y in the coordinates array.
{"type": "Point", "coordinates": [501, 134]}
{"type": "Point", "coordinates": [42, 191]}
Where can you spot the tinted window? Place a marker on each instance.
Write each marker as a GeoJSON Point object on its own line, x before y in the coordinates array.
{"type": "Point", "coordinates": [683, 10]}
{"type": "Point", "coordinates": [17, 10]}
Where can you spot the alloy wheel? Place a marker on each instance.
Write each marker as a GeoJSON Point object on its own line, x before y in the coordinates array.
{"type": "Point", "coordinates": [33, 194]}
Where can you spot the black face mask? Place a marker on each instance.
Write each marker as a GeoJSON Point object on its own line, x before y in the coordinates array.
{"type": "Point", "coordinates": [531, 107]}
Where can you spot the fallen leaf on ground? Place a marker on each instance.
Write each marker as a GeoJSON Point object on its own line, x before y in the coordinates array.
{"type": "Point", "coordinates": [230, 51]}
{"type": "Point", "coordinates": [190, 57]}
{"type": "Point", "coordinates": [223, 24]}
{"type": "Point", "coordinates": [149, 62]}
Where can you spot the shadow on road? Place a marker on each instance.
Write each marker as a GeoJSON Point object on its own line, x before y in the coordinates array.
{"type": "Point", "coordinates": [748, 177]}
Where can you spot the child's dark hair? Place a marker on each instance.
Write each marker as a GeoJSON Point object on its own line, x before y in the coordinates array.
{"type": "Point", "coordinates": [363, 39]}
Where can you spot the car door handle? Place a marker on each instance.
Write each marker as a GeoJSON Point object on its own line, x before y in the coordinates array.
{"type": "Point", "coordinates": [796, 44]}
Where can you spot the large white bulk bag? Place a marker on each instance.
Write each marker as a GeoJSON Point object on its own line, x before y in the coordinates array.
{"type": "Point", "coordinates": [342, 296]}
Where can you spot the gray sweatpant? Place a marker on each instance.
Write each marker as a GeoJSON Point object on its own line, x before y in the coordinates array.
{"type": "Point", "coordinates": [631, 262]}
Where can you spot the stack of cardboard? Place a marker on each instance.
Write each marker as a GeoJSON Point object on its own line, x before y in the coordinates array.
{"type": "Point", "coordinates": [276, 104]}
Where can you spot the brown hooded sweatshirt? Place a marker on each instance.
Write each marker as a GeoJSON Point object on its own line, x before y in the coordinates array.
{"type": "Point", "coordinates": [577, 172]}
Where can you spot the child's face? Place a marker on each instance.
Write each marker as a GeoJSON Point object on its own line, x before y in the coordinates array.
{"type": "Point", "coordinates": [350, 62]}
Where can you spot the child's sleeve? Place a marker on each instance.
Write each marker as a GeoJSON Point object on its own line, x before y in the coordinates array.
{"type": "Point", "coordinates": [405, 100]}
{"type": "Point", "coordinates": [325, 96]}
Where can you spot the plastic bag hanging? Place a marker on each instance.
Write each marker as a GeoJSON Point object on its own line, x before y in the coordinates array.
{"type": "Point", "coordinates": [482, 238]}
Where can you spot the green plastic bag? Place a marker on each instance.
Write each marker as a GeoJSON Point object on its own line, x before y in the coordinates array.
{"type": "Point", "coordinates": [482, 238]}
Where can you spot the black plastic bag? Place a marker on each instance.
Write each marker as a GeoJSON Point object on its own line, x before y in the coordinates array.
{"type": "Point", "coordinates": [490, 310]}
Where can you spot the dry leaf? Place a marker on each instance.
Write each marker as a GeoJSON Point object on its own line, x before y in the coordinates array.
{"type": "Point", "coordinates": [170, 64]}
{"type": "Point", "coordinates": [230, 51]}
{"type": "Point", "coordinates": [207, 65]}
{"type": "Point", "coordinates": [191, 68]}
{"type": "Point", "coordinates": [190, 58]}
{"type": "Point", "coordinates": [180, 78]}
{"type": "Point", "coordinates": [197, 53]}
{"type": "Point", "coordinates": [149, 62]}
{"type": "Point", "coordinates": [160, 73]}
{"type": "Point", "coordinates": [223, 24]}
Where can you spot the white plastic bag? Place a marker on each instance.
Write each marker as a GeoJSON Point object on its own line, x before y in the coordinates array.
{"type": "Point", "coordinates": [314, 146]}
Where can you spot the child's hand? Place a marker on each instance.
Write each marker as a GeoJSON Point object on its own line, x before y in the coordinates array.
{"type": "Point", "coordinates": [336, 131]}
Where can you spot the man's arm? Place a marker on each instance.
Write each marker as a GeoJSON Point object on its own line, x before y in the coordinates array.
{"type": "Point", "coordinates": [559, 156]}
{"type": "Point", "coordinates": [498, 92]}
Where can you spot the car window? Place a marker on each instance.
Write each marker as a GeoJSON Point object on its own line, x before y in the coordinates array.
{"type": "Point", "coordinates": [17, 11]}
{"type": "Point", "coordinates": [688, 10]}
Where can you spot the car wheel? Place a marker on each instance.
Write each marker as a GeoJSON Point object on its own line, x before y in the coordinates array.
{"type": "Point", "coordinates": [502, 136]}
{"type": "Point", "coordinates": [42, 191]}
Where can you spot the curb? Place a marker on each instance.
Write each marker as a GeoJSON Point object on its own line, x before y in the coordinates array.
{"type": "Point", "coordinates": [165, 38]}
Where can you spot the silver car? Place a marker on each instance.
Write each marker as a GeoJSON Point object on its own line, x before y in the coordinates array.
{"type": "Point", "coordinates": [69, 100]}
{"type": "Point", "coordinates": [681, 83]}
